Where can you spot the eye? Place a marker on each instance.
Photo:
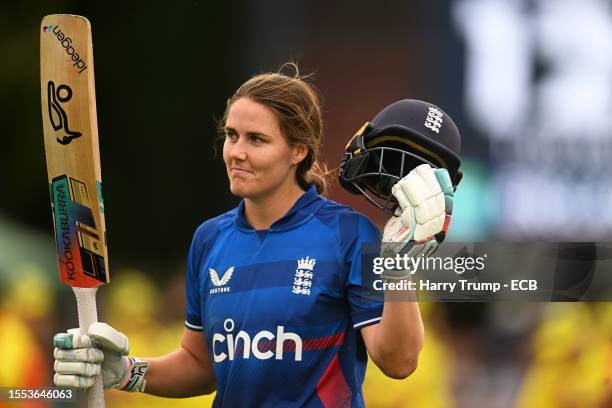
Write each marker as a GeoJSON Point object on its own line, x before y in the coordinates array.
{"type": "Point", "coordinates": [256, 139]}
{"type": "Point", "coordinates": [231, 135]}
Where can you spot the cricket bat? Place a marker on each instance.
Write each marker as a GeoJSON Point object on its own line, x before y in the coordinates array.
{"type": "Point", "coordinates": [73, 164]}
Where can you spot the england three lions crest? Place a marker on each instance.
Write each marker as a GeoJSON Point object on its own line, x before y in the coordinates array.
{"type": "Point", "coordinates": [302, 281]}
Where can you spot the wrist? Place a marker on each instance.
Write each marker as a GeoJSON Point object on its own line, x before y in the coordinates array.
{"type": "Point", "coordinates": [134, 379]}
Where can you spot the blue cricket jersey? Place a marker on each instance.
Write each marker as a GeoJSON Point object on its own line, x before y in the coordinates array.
{"type": "Point", "coordinates": [281, 309]}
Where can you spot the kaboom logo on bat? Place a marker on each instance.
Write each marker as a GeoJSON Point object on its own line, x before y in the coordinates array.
{"type": "Point", "coordinates": [57, 114]}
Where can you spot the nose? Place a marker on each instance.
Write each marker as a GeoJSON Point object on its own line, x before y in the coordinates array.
{"type": "Point", "coordinates": [238, 150]}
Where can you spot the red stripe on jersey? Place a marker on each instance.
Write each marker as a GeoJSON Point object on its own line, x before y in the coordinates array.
{"type": "Point", "coordinates": [306, 344]}
{"type": "Point", "coordinates": [266, 345]}
{"type": "Point", "coordinates": [316, 343]}
{"type": "Point", "coordinates": [323, 342]}
{"type": "Point", "coordinates": [332, 388]}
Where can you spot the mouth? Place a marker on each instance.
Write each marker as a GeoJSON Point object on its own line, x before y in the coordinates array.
{"type": "Point", "coordinates": [238, 171]}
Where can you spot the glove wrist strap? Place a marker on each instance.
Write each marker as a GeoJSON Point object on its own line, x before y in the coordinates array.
{"type": "Point", "coordinates": [134, 380]}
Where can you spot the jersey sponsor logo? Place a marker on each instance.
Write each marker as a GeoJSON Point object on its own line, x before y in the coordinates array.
{"type": "Point", "coordinates": [302, 281]}
{"type": "Point", "coordinates": [434, 119]}
{"type": "Point", "coordinates": [260, 345]}
{"type": "Point", "coordinates": [219, 284]}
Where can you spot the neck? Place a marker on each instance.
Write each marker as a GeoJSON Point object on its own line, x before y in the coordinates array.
{"type": "Point", "coordinates": [262, 212]}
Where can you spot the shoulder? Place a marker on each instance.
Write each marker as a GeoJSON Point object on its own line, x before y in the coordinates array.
{"type": "Point", "coordinates": [346, 221]}
{"type": "Point", "coordinates": [210, 228]}
{"type": "Point", "coordinates": [205, 236]}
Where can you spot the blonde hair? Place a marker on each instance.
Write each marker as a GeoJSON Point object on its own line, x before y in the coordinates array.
{"type": "Point", "coordinates": [297, 107]}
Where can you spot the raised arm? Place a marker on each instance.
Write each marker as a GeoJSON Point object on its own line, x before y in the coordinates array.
{"type": "Point", "coordinates": [395, 343]}
{"type": "Point", "coordinates": [425, 196]}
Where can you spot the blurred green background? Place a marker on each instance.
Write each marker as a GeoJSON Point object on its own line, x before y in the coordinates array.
{"type": "Point", "coordinates": [528, 83]}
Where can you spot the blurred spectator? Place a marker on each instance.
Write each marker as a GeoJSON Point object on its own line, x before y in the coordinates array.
{"type": "Point", "coordinates": [571, 358]}
{"type": "Point", "coordinates": [26, 301]}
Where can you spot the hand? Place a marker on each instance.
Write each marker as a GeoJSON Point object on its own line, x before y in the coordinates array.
{"type": "Point", "coordinates": [425, 198]}
{"type": "Point", "coordinates": [80, 358]}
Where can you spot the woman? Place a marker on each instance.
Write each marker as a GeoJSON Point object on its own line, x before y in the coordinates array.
{"type": "Point", "coordinates": [275, 315]}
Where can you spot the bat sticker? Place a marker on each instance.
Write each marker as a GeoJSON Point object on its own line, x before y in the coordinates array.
{"type": "Point", "coordinates": [59, 120]}
{"type": "Point", "coordinates": [79, 245]}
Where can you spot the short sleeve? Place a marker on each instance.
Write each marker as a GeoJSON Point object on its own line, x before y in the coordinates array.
{"type": "Point", "coordinates": [193, 313]}
{"type": "Point", "coordinates": [358, 232]}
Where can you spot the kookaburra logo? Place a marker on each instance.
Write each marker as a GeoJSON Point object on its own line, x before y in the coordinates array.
{"type": "Point", "coordinates": [214, 277]}
{"type": "Point", "coordinates": [57, 114]}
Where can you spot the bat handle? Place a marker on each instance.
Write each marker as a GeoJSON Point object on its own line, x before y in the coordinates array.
{"type": "Point", "coordinates": [88, 314]}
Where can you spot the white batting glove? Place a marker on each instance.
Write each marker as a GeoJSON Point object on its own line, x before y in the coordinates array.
{"type": "Point", "coordinates": [425, 198]}
{"type": "Point", "coordinates": [80, 358]}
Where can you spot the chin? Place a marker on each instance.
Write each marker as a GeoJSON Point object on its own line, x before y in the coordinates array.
{"type": "Point", "coordinates": [244, 190]}
{"type": "Point", "coordinates": [237, 191]}
{"type": "Point", "coordinates": [241, 189]}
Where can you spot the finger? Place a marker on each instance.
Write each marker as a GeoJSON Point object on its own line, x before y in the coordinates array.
{"type": "Point", "coordinates": [73, 381]}
{"type": "Point", "coordinates": [78, 368]}
{"type": "Point", "coordinates": [88, 355]}
{"type": "Point", "coordinates": [401, 196]}
{"type": "Point", "coordinates": [106, 337]}
{"type": "Point", "coordinates": [71, 340]}
{"type": "Point", "coordinates": [415, 188]}
{"type": "Point", "coordinates": [447, 188]}
{"type": "Point", "coordinates": [396, 230]}
{"type": "Point", "coordinates": [409, 220]}
{"type": "Point", "coordinates": [429, 177]}
{"type": "Point", "coordinates": [445, 181]}
{"type": "Point", "coordinates": [430, 208]}
{"type": "Point", "coordinates": [423, 232]}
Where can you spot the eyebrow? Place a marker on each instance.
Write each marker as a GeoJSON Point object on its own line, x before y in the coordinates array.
{"type": "Point", "coordinates": [230, 129]}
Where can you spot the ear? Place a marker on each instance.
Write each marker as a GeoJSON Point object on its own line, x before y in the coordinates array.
{"type": "Point", "coordinates": [299, 153]}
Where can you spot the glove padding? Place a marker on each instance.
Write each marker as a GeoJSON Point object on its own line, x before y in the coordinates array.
{"type": "Point", "coordinates": [425, 198]}
{"type": "Point", "coordinates": [80, 358]}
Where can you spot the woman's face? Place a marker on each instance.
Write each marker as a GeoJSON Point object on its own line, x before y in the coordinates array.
{"type": "Point", "coordinates": [256, 154]}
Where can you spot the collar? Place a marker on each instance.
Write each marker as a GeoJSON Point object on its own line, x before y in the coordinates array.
{"type": "Point", "coordinates": [302, 211]}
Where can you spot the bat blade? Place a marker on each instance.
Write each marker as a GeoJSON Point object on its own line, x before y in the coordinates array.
{"type": "Point", "coordinates": [73, 164]}
{"type": "Point", "coordinates": [72, 149]}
